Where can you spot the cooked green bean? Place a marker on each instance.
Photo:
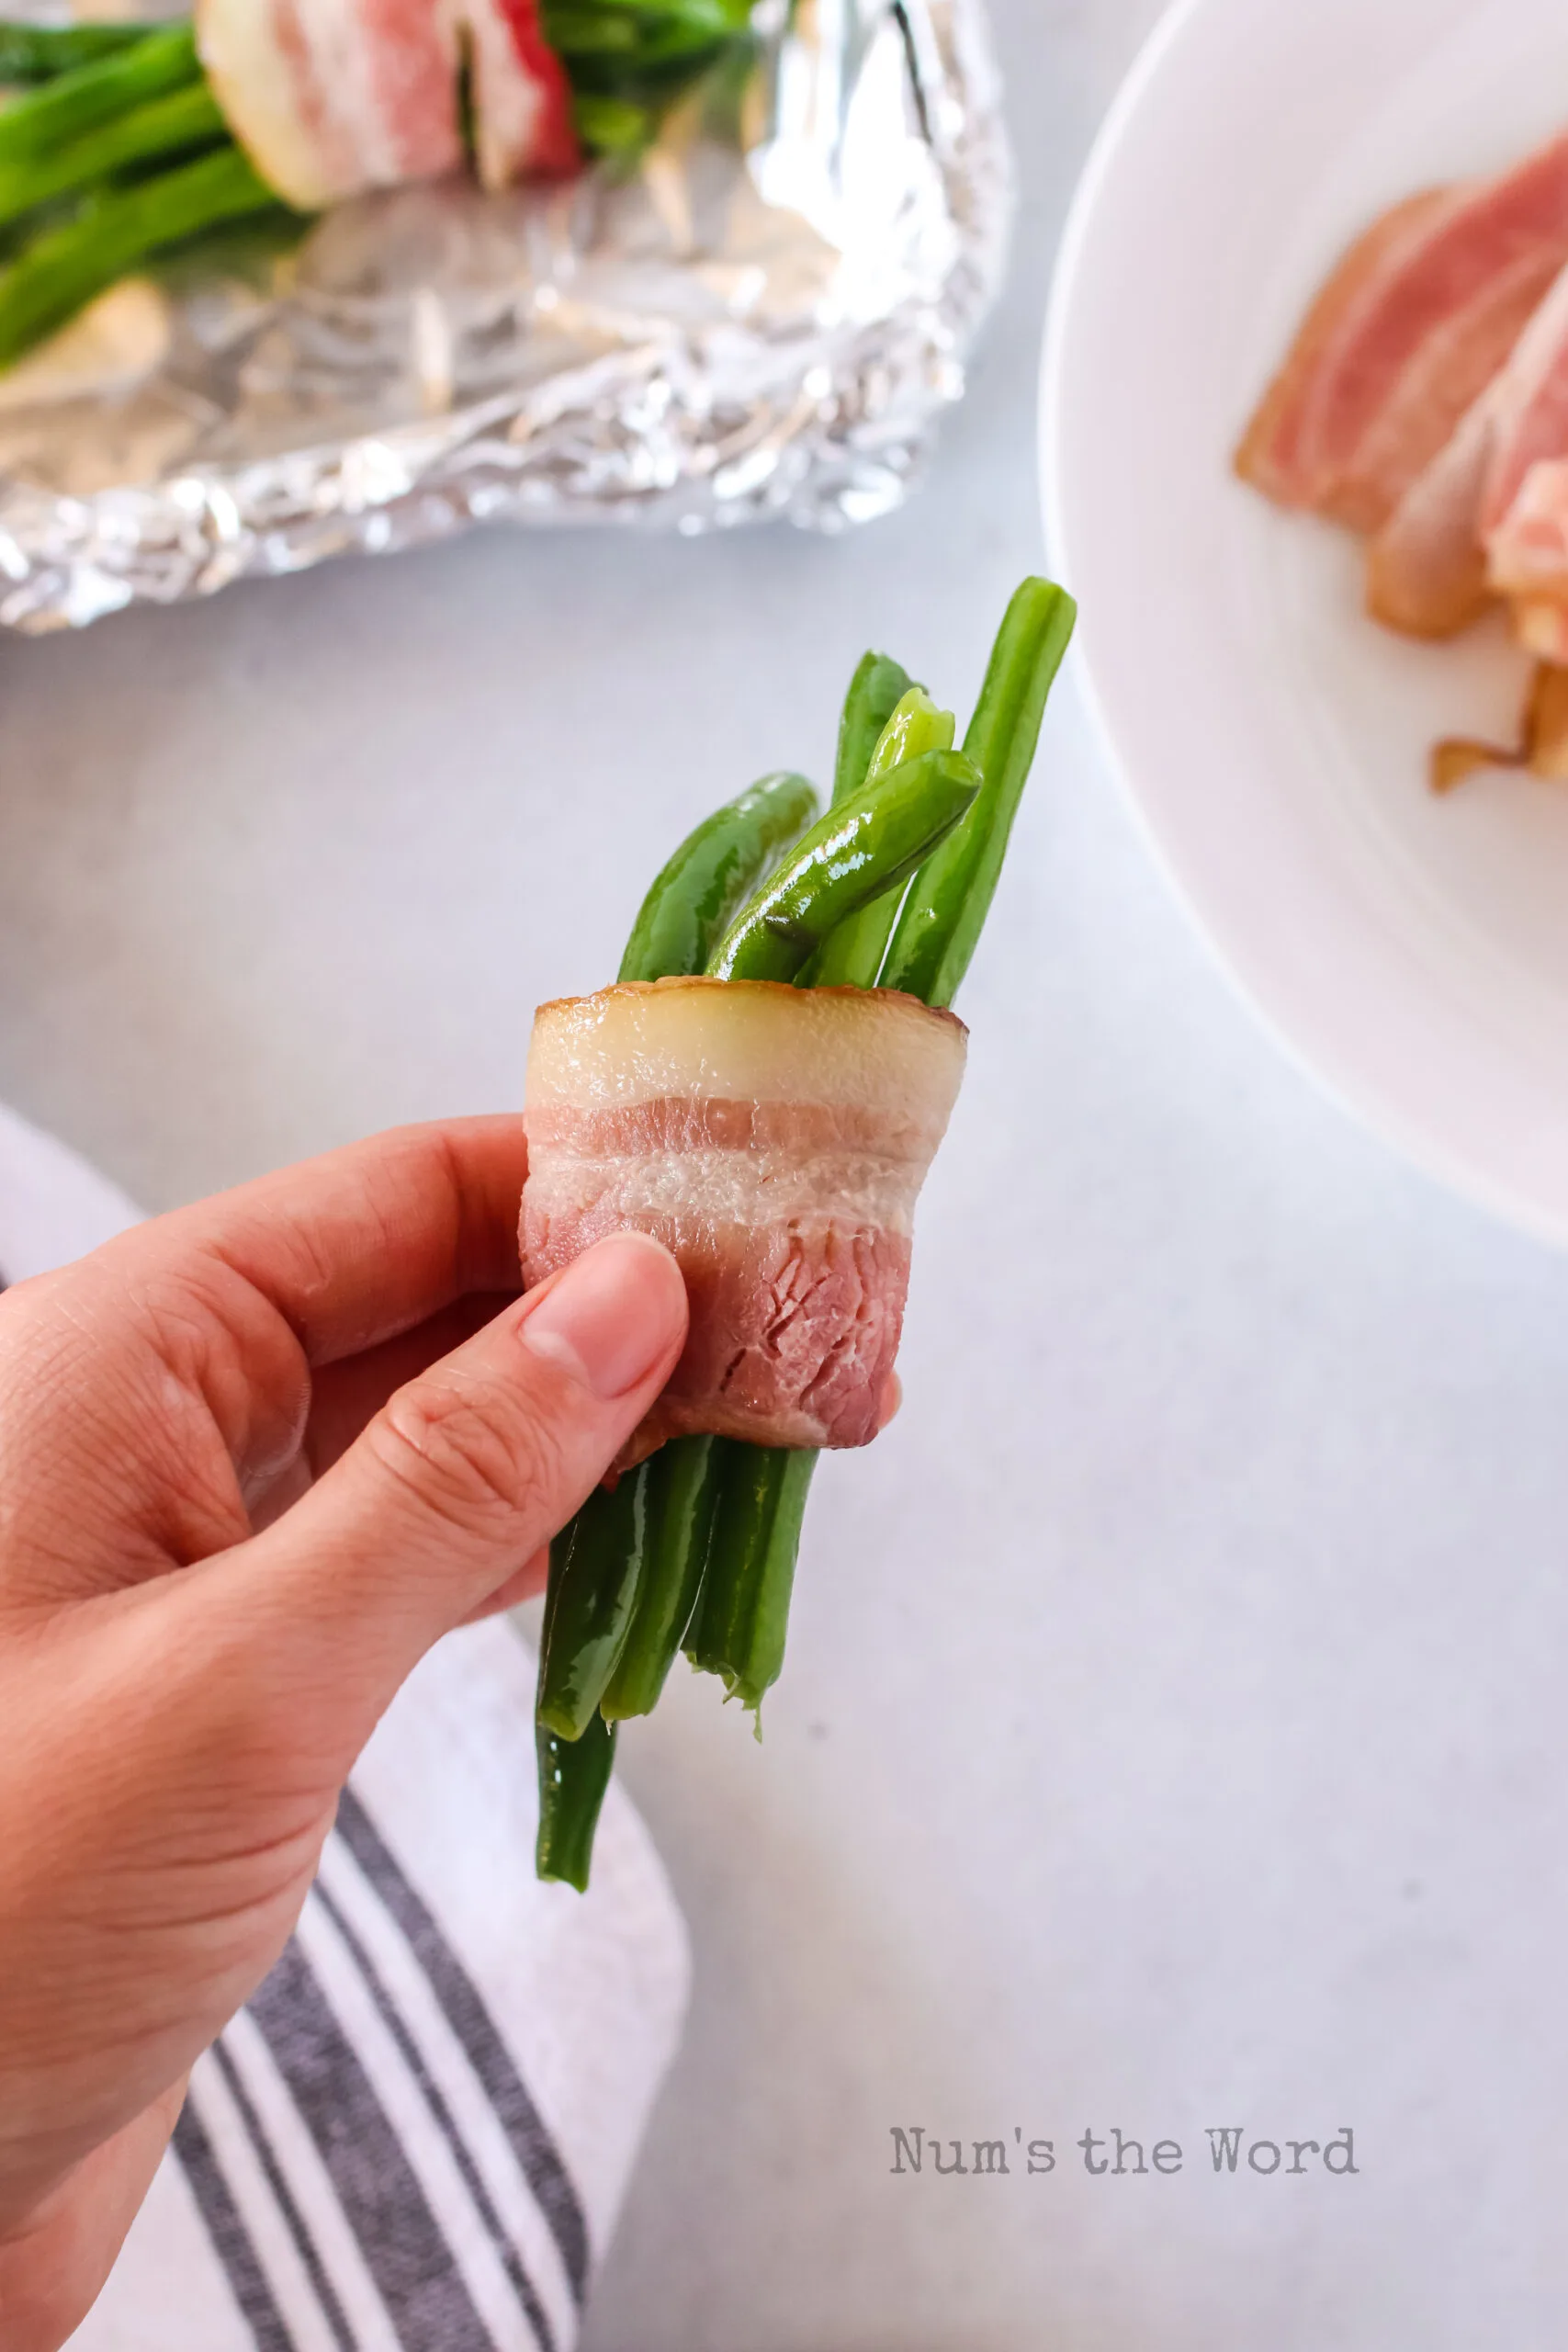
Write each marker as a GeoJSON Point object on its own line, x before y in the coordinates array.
{"type": "Point", "coordinates": [611, 126]}
{"type": "Point", "coordinates": [698, 1468]}
{"type": "Point", "coordinates": [623, 1573]}
{"type": "Point", "coordinates": [573, 1776]}
{"type": "Point", "coordinates": [878, 687]}
{"type": "Point", "coordinates": [860, 850]}
{"type": "Point", "coordinates": [636, 42]}
{"type": "Point", "coordinates": [683, 1495]}
{"type": "Point", "coordinates": [695, 898]}
{"type": "Point", "coordinates": [944, 912]}
{"type": "Point", "coordinates": [742, 1618]}
{"type": "Point", "coordinates": [595, 1566]}
{"type": "Point", "coordinates": [30, 54]}
{"type": "Point", "coordinates": [189, 118]}
{"type": "Point", "coordinates": [849, 857]}
{"type": "Point", "coordinates": [852, 956]}
{"type": "Point", "coordinates": [78, 101]}
{"type": "Point", "coordinates": [62, 271]}
{"type": "Point", "coordinates": [592, 32]}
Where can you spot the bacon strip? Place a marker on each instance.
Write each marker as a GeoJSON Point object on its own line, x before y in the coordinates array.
{"type": "Point", "coordinates": [1449, 371]}
{"type": "Point", "coordinates": [775, 1140]}
{"type": "Point", "coordinates": [1272, 455]}
{"type": "Point", "coordinates": [1415, 319]}
{"type": "Point", "coordinates": [521, 98]}
{"type": "Point", "coordinates": [1428, 569]}
{"type": "Point", "coordinates": [333, 97]}
{"type": "Point", "coordinates": [1528, 552]}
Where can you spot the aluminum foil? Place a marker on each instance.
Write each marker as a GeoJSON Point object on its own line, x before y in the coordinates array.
{"type": "Point", "coordinates": [767, 319]}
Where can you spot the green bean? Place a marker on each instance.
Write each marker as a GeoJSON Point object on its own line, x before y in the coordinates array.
{"type": "Point", "coordinates": [595, 1566]}
{"type": "Point", "coordinates": [573, 1776]}
{"type": "Point", "coordinates": [729, 16]}
{"type": "Point", "coordinates": [591, 32]}
{"type": "Point", "coordinates": [187, 118]}
{"type": "Point", "coordinates": [31, 53]}
{"type": "Point", "coordinates": [751, 1560]}
{"type": "Point", "coordinates": [78, 101]}
{"type": "Point", "coordinates": [742, 1617]}
{"type": "Point", "coordinates": [914, 725]}
{"type": "Point", "coordinates": [852, 956]}
{"type": "Point", "coordinates": [849, 857]}
{"type": "Point", "coordinates": [857, 853]}
{"type": "Point", "coordinates": [683, 1495]}
{"type": "Point", "coordinates": [692, 902]}
{"type": "Point", "coordinates": [611, 126]}
{"type": "Point", "coordinates": [680, 41]}
{"type": "Point", "coordinates": [624, 1576]}
{"type": "Point", "coordinates": [687, 1478]}
{"type": "Point", "coordinates": [878, 687]}
{"type": "Point", "coordinates": [944, 912]}
{"type": "Point", "coordinates": [62, 271]}
{"type": "Point", "coordinates": [602, 28]}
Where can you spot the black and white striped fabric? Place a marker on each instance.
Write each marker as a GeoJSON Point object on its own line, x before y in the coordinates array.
{"type": "Point", "coordinates": [416, 2136]}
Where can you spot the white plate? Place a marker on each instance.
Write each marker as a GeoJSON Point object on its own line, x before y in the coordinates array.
{"type": "Point", "coordinates": [1413, 952]}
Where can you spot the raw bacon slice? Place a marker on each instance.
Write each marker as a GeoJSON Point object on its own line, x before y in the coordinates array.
{"type": "Point", "coordinates": [1451, 370]}
{"type": "Point", "coordinates": [774, 1139]}
{"type": "Point", "coordinates": [1530, 422]}
{"type": "Point", "coordinates": [1528, 552]}
{"type": "Point", "coordinates": [523, 121]}
{"type": "Point", "coordinates": [1414, 275]}
{"type": "Point", "coordinates": [1270, 455]}
{"type": "Point", "coordinates": [1428, 569]}
{"type": "Point", "coordinates": [333, 97]}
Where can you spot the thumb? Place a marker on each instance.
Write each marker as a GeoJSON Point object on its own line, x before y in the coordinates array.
{"type": "Point", "coordinates": [466, 1472]}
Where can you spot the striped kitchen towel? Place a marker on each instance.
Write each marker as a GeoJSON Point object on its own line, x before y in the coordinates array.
{"type": "Point", "coordinates": [416, 2136]}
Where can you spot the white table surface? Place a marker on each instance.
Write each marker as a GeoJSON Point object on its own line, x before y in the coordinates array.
{"type": "Point", "coordinates": [1173, 1733]}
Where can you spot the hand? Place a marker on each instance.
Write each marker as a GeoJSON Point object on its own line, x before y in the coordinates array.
{"type": "Point", "coordinates": [255, 1459]}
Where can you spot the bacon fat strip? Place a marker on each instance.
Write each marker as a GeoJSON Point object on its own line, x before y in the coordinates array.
{"type": "Point", "coordinates": [776, 1140]}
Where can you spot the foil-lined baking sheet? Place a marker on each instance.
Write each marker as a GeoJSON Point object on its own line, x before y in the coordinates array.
{"type": "Point", "coordinates": [767, 318]}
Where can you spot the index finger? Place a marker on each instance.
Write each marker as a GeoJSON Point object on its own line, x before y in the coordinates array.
{"type": "Point", "coordinates": [362, 1243]}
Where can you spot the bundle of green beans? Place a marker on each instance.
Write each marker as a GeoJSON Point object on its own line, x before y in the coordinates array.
{"type": "Point", "coordinates": [116, 151]}
{"type": "Point", "coordinates": [696, 1549]}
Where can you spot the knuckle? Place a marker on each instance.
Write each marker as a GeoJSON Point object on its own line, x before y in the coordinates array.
{"type": "Point", "coordinates": [480, 1460]}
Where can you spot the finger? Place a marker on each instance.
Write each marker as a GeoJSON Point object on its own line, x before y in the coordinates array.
{"type": "Point", "coordinates": [344, 1397]}
{"type": "Point", "coordinates": [464, 1476]}
{"type": "Point", "coordinates": [891, 1399]}
{"type": "Point", "coordinates": [187, 1347]}
{"type": "Point", "coordinates": [528, 1582]}
{"type": "Point", "coordinates": [362, 1243]}
{"type": "Point", "coordinates": [51, 2272]}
